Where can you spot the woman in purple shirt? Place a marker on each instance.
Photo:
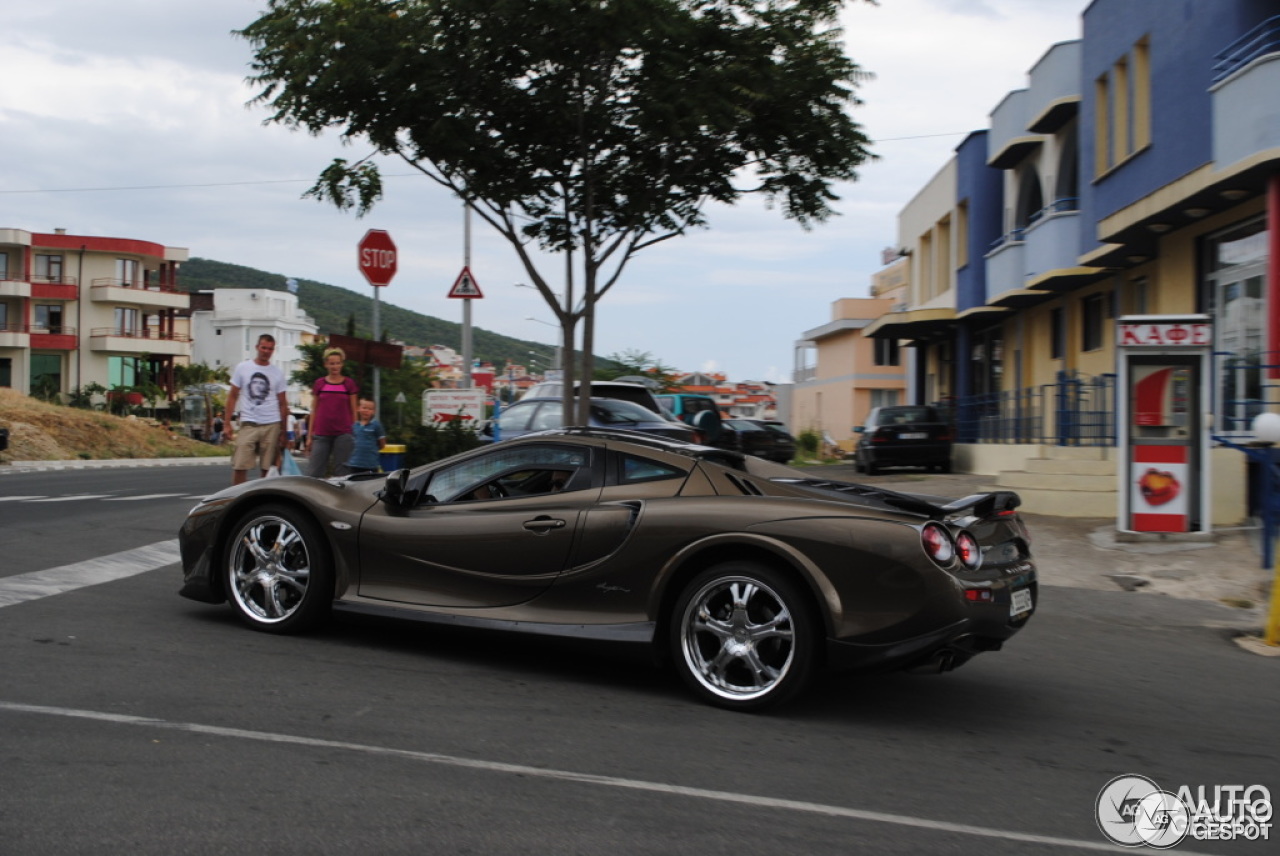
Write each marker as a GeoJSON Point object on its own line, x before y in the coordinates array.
{"type": "Point", "coordinates": [329, 439]}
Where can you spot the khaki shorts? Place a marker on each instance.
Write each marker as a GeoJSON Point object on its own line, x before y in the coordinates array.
{"type": "Point", "coordinates": [256, 445]}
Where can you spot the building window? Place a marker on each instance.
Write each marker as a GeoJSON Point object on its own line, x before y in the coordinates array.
{"type": "Point", "coordinates": [4, 266]}
{"type": "Point", "coordinates": [46, 375]}
{"type": "Point", "coordinates": [6, 372]}
{"type": "Point", "coordinates": [1092, 309]}
{"type": "Point", "coordinates": [124, 371]}
{"type": "Point", "coordinates": [1138, 301]}
{"type": "Point", "coordinates": [888, 352]}
{"type": "Point", "coordinates": [127, 272]}
{"type": "Point", "coordinates": [1237, 281]}
{"type": "Point", "coordinates": [1056, 331]}
{"type": "Point", "coordinates": [1122, 108]}
{"type": "Point", "coordinates": [48, 317]}
{"type": "Point", "coordinates": [4, 316]}
{"type": "Point", "coordinates": [884, 397]}
{"type": "Point", "coordinates": [48, 268]}
{"type": "Point", "coordinates": [127, 321]}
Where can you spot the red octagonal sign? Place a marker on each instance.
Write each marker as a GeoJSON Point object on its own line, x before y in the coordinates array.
{"type": "Point", "coordinates": [377, 257]}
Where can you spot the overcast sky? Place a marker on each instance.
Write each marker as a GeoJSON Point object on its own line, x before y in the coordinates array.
{"type": "Point", "coordinates": [129, 119]}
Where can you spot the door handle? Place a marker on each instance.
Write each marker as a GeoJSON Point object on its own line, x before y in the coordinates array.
{"type": "Point", "coordinates": [543, 525]}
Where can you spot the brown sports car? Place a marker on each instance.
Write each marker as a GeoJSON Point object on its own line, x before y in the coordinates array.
{"type": "Point", "coordinates": [747, 576]}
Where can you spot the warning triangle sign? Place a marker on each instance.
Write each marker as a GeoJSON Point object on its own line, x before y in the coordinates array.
{"type": "Point", "coordinates": [466, 286]}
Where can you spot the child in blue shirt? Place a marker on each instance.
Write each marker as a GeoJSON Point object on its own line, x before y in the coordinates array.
{"type": "Point", "coordinates": [369, 439]}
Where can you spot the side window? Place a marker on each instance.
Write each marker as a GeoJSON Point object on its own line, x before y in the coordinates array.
{"type": "Point", "coordinates": [636, 469]}
{"type": "Point", "coordinates": [515, 417]}
{"type": "Point", "coordinates": [455, 482]}
{"type": "Point", "coordinates": [547, 417]}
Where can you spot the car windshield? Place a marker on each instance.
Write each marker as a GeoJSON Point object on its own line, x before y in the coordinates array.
{"type": "Point", "coordinates": [615, 411]}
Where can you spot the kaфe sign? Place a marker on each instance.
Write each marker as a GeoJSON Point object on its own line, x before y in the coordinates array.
{"type": "Point", "coordinates": [377, 256]}
{"type": "Point", "coordinates": [1163, 363]}
{"type": "Point", "coordinates": [1166, 335]}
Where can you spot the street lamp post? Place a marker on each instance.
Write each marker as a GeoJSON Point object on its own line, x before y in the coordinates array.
{"type": "Point", "coordinates": [559, 349]}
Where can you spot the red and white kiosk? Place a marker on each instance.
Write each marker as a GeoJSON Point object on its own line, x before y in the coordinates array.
{"type": "Point", "coordinates": [1163, 422]}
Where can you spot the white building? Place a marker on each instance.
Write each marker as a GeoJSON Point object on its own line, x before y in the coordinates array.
{"type": "Point", "coordinates": [226, 324]}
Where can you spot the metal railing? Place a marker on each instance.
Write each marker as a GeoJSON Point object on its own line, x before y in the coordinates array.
{"type": "Point", "coordinates": [139, 333]}
{"type": "Point", "coordinates": [1262, 39]}
{"type": "Point", "coordinates": [1076, 410]}
{"type": "Point", "coordinates": [139, 284]}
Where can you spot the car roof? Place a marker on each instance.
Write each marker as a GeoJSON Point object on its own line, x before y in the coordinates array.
{"type": "Point", "coordinates": [637, 438]}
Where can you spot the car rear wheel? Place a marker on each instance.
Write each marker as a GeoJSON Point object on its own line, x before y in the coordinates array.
{"type": "Point", "coordinates": [743, 636]}
{"type": "Point", "coordinates": [278, 573]}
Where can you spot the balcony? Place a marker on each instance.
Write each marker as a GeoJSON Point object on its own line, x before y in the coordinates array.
{"type": "Point", "coordinates": [1009, 142]}
{"type": "Point", "coordinates": [1054, 94]}
{"type": "Point", "coordinates": [1007, 264]}
{"type": "Point", "coordinates": [144, 341]}
{"type": "Point", "coordinates": [1246, 117]}
{"type": "Point", "coordinates": [14, 336]}
{"type": "Point", "coordinates": [54, 338]}
{"type": "Point", "coordinates": [1053, 238]}
{"type": "Point", "coordinates": [112, 290]}
{"type": "Point", "coordinates": [14, 288]}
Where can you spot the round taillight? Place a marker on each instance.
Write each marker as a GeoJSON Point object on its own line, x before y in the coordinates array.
{"type": "Point", "coordinates": [937, 543]}
{"type": "Point", "coordinates": [968, 550]}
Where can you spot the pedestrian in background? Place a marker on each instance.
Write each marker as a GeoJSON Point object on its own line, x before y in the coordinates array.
{"type": "Point", "coordinates": [263, 411]}
{"type": "Point", "coordinates": [368, 439]}
{"type": "Point", "coordinates": [333, 412]}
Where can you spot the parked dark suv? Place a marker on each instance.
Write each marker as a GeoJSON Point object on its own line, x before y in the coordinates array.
{"type": "Point", "coordinates": [906, 435]}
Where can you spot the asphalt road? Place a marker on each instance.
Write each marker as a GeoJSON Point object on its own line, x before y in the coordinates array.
{"type": "Point", "coordinates": [134, 721]}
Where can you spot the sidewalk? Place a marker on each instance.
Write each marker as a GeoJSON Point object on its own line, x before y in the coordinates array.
{"type": "Point", "coordinates": [1084, 553]}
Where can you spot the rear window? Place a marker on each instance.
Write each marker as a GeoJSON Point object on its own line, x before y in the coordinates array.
{"type": "Point", "coordinates": [905, 415]}
{"type": "Point", "coordinates": [616, 412]}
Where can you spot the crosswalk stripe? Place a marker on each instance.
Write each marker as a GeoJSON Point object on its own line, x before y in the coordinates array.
{"type": "Point", "coordinates": [38, 584]}
{"type": "Point", "coordinates": [141, 496]}
{"type": "Point", "coordinates": [73, 498]}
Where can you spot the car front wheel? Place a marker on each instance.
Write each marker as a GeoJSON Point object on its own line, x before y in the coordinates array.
{"type": "Point", "coordinates": [743, 636]}
{"type": "Point", "coordinates": [278, 573]}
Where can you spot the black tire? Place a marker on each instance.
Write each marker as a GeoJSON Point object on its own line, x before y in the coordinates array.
{"type": "Point", "coordinates": [872, 469]}
{"type": "Point", "coordinates": [743, 636]}
{"type": "Point", "coordinates": [944, 468]}
{"type": "Point", "coordinates": [277, 571]}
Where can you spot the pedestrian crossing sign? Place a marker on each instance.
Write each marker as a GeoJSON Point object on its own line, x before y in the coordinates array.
{"type": "Point", "coordinates": [466, 286]}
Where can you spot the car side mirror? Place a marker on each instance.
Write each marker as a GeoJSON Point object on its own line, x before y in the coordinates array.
{"type": "Point", "coordinates": [397, 485]}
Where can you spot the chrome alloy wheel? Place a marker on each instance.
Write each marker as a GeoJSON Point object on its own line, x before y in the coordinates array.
{"type": "Point", "coordinates": [269, 569]}
{"type": "Point", "coordinates": [737, 638]}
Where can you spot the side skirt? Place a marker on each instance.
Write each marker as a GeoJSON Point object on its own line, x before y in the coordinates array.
{"type": "Point", "coordinates": [640, 632]}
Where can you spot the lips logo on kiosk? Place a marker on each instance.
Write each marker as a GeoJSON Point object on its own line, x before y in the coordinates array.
{"type": "Point", "coordinates": [1158, 486]}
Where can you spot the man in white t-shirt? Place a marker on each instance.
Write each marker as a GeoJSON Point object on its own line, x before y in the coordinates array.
{"type": "Point", "coordinates": [258, 387]}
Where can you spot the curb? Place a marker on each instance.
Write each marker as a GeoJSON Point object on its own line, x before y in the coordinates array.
{"type": "Point", "coordinates": [124, 463]}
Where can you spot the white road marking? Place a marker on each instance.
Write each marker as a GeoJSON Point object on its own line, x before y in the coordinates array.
{"type": "Point", "coordinates": [38, 584]}
{"type": "Point", "coordinates": [584, 778]}
{"type": "Point", "coordinates": [74, 498]}
{"type": "Point", "coordinates": [20, 498]}
{"type": "Point", "coordinates": [141, 496]}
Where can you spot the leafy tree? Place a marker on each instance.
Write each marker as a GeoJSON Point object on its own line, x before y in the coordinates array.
{"type": "Point", "coordinates": [639, 364]}
{"type": "Point", "coordinates": [592, 128]}
{"type": "Point", "coordinates": [209, 383]}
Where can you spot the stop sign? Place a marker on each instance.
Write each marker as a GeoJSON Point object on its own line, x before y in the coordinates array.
{"type": "Point", "coordinates": [377, 257]}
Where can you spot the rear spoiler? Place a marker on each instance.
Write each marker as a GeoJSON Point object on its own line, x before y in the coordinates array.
{"type": "Point", "coordinates": [980, 505]}
{"type": "Point", "coordinates": [983, 505]}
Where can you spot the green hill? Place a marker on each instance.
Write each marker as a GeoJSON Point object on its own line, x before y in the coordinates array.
{"type": "Point", "coordinates": [333, 308]}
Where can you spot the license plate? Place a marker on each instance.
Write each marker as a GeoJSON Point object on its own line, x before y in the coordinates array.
{"type": "Point", "coordinates": [1021, 602]}
{"type": "Point", "coordinates": [914, 435]}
